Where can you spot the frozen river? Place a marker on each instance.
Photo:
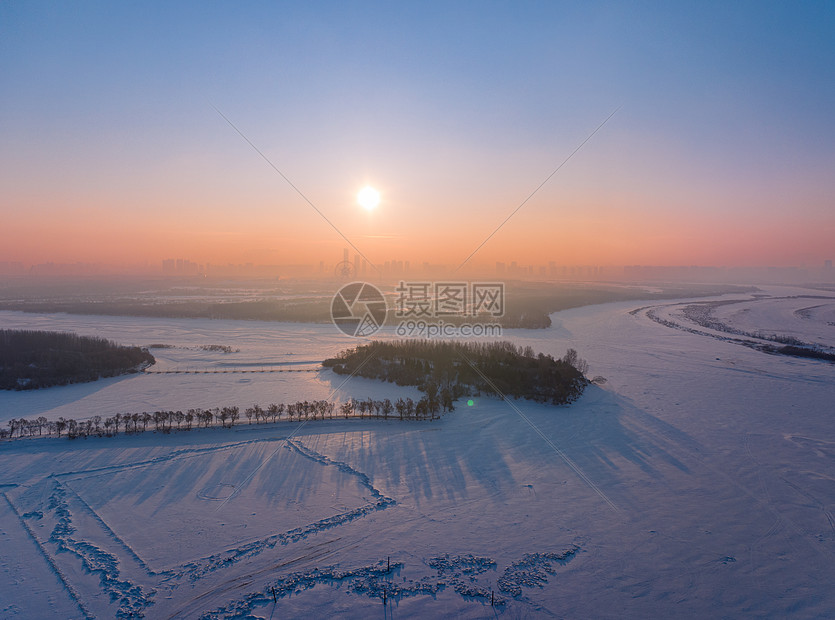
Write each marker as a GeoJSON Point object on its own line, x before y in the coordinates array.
{"type": "Point", "coordinates": [698, 481]}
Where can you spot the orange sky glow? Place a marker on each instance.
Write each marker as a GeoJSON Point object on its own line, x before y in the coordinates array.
{"type": "Point", "coordinates": [720, 152]}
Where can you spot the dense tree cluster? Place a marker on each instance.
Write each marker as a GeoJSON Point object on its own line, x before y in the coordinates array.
{"type": "Point", "coordinates": [448, 369]}
{"type": "Point", "coordinates": [795, 351]}
{"type": "Point", "coordinates": [35, 359]}
{"type": "Point", "coordinates": [226, 417]}
{"type": "Point", "coordinates": [218, 348]}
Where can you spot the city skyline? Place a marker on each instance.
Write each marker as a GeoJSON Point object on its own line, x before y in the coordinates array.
{"type": "Point", "coordinates": [396, 268]}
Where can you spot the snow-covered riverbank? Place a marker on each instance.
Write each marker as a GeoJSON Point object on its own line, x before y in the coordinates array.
{"type": "Point", "coordinates": [698, 481]}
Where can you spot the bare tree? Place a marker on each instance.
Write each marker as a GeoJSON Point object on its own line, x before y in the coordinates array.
{"type": "Point", "coordinates": [572, 358]}
{"type": "Point", "coordinates": [272, 411]}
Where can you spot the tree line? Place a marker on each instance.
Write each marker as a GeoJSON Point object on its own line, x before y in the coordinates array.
{"type": "Point", "coordinates": [31, 359]}
{"type": "Point", "coordinates": [166, 420]}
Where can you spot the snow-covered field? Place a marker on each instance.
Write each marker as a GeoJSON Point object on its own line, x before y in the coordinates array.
{"type": "Point", "coordinates": [698, 481]}
{"type": "Point", "coordinates": [789, 316]}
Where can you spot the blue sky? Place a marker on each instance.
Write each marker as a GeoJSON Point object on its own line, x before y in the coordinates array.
{"type": "Point", "coordinates": [455, 110]}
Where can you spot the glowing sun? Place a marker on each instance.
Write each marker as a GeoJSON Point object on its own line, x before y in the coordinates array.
{"type": "Point", "coordinates": [368, 198]}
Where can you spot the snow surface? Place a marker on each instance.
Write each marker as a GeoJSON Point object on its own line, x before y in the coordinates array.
{"type": "Point", "coordinates": [698, 481]}
{"type": "Point", "coordinates": [792, 317]}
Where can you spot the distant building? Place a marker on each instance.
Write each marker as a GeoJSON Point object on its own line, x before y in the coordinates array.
{"type": "Point", "coordinates": [180, 266]}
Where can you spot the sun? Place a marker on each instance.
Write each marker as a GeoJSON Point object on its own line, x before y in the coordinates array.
{"type": "Point", "coordinates": [368, 198]}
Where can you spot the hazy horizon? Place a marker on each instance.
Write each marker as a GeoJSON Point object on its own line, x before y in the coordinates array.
{"type": "Point", "coordinates": [173, 271]}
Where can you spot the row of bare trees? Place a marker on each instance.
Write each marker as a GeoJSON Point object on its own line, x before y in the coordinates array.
{"type": "Point", "coordinates": [427, 408]}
